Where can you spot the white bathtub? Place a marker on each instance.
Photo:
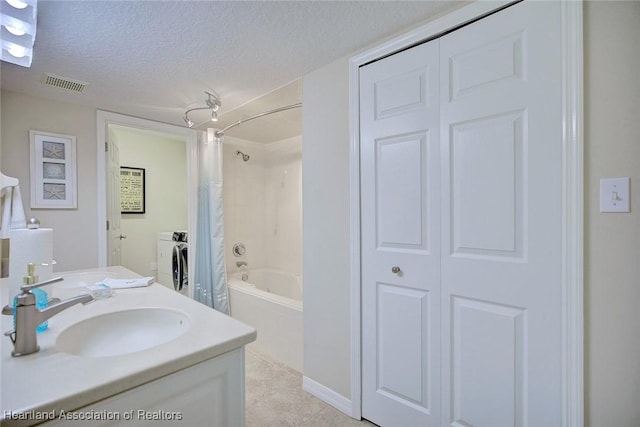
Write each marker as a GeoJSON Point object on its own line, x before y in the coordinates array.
{"type": "Point", "coordinates": [270, 301]}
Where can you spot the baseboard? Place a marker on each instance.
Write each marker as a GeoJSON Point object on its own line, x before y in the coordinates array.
{"type": "Point", "coordinates": [327, 395]}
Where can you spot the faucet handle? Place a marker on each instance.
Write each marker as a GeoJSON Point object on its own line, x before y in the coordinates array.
{"type": "Point", "coordinates": [27, 288]}
{"type": "Point", "coordinates": [12, 335]}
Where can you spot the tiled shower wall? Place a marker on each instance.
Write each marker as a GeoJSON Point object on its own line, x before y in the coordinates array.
{"type": "Point", "coordinates": [263, 204]}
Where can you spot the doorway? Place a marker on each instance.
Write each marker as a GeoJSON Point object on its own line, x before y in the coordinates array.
{"type": "Point", "coordinates": [111, 128]}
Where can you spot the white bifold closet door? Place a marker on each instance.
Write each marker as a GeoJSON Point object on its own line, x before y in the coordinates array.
{"type": "Point", "coordinates": [461, 205]}
{"type": "Point", "coordinates": [400, 203]}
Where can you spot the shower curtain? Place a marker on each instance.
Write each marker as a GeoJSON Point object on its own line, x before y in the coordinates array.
{"type": "Point", "coordinates": [210, 276]}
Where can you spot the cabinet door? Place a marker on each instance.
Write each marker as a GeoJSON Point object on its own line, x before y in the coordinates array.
{"type": "Point", "coordinates": [210, 393]}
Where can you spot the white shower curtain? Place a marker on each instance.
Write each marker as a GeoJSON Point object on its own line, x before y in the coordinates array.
{"type": "Point", "coordinates": [210, 276]}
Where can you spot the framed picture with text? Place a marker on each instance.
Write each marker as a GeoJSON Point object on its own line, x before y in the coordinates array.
{"type": "Point", "coordinates": [132, 190]}
{"type": "Point", "coordinates": [53, 171]}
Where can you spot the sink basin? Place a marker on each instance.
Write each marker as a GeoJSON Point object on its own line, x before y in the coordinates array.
{"type": "Point", "coordinates": [122, 332]}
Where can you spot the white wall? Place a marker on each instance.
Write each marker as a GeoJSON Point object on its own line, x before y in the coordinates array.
{"type": "Point", "coordinates": [164, 159]}
{"type": "Point", "coordinates": [262, 203]}
{"type": "Point", "coordinates": [325, 225]}
{"type": "Point", "coordinates": [283, 205]}
{"type": "Point", "coordinates": [612, 241]}
{"type": "Point", "coordinates": [612, 251]}
{"type": "Point", "coordinates": [75, 238]}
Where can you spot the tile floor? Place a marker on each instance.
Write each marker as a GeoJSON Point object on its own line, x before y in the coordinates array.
{"type": "Point", "coordinates": [274, 398]}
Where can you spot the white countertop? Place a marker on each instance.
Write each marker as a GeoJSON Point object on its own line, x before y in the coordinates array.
{"type": "Point", "coordinates": [53, 380]}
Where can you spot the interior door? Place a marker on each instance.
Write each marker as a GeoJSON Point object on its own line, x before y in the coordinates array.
{"type": "Point", "coordinates": [114, 235]}
{"type": "Point", "coordinates": [469, 334]}
{"type": "Point", "coordinates": [502, 219]}
{"type": "Point", "coordinates": [400, 176]}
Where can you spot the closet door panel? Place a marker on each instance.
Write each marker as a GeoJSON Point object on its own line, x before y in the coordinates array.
{"type": "Point", "coordinates": [402, 220]}
{"type": "Point", "coordinates": [401, 238]}
{"type": "Point", "coordinates": [501, 219]}
{"type": "Point", "coordinates": [485, 162]}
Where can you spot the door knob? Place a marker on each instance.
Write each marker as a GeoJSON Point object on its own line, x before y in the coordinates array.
{"type": "Point", "coordinates": [395, 269]}
{"type": "Point", "coordinates": [122, 236]}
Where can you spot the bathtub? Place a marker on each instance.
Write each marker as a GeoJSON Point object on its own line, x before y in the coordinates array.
{"type": "Point", "coordinates": [270, 301]}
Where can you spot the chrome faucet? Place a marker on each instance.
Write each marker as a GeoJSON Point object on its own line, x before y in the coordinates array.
{"type": "Point", "coordinates": [28, 317]}
{"type": "Point", "coordinates": [241, 264]}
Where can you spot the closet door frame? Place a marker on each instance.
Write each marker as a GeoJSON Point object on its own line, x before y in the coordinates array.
{"type": "Point", "coordinates": [572, 192]}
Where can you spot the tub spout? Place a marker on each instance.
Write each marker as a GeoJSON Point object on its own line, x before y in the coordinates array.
{"type": "Point", "coordinates": [241, 264]}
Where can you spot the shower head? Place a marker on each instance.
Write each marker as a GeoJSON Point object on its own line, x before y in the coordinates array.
{"type": "Point", "coordinates": [245, 157]}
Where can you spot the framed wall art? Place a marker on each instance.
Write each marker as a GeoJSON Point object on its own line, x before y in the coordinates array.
{"type": "Point", "coordinates": [132, 190]}
{"type": "Point", "coordinates": [53, 171]}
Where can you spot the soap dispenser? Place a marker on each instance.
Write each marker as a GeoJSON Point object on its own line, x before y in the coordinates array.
{"type": "Point", "coordinates": [42, 298]}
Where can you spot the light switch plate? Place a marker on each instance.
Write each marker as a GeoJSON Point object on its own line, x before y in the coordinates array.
{"type": "Point", "coordinates": [614, 195]}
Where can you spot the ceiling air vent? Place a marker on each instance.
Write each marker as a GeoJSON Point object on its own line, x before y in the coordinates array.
{"type": "Point", "coordinates": [64, 82]}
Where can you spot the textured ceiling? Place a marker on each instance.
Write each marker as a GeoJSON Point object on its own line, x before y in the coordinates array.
{"type": "Point", "coordinates": [155, 59]}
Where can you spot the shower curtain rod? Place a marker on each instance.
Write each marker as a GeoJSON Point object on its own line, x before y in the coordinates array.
{"type": "Point", "coordinates": [221, 132]}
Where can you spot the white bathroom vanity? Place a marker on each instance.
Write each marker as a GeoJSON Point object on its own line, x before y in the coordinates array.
{"type": "Point", "coordinates": [146, 356]}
